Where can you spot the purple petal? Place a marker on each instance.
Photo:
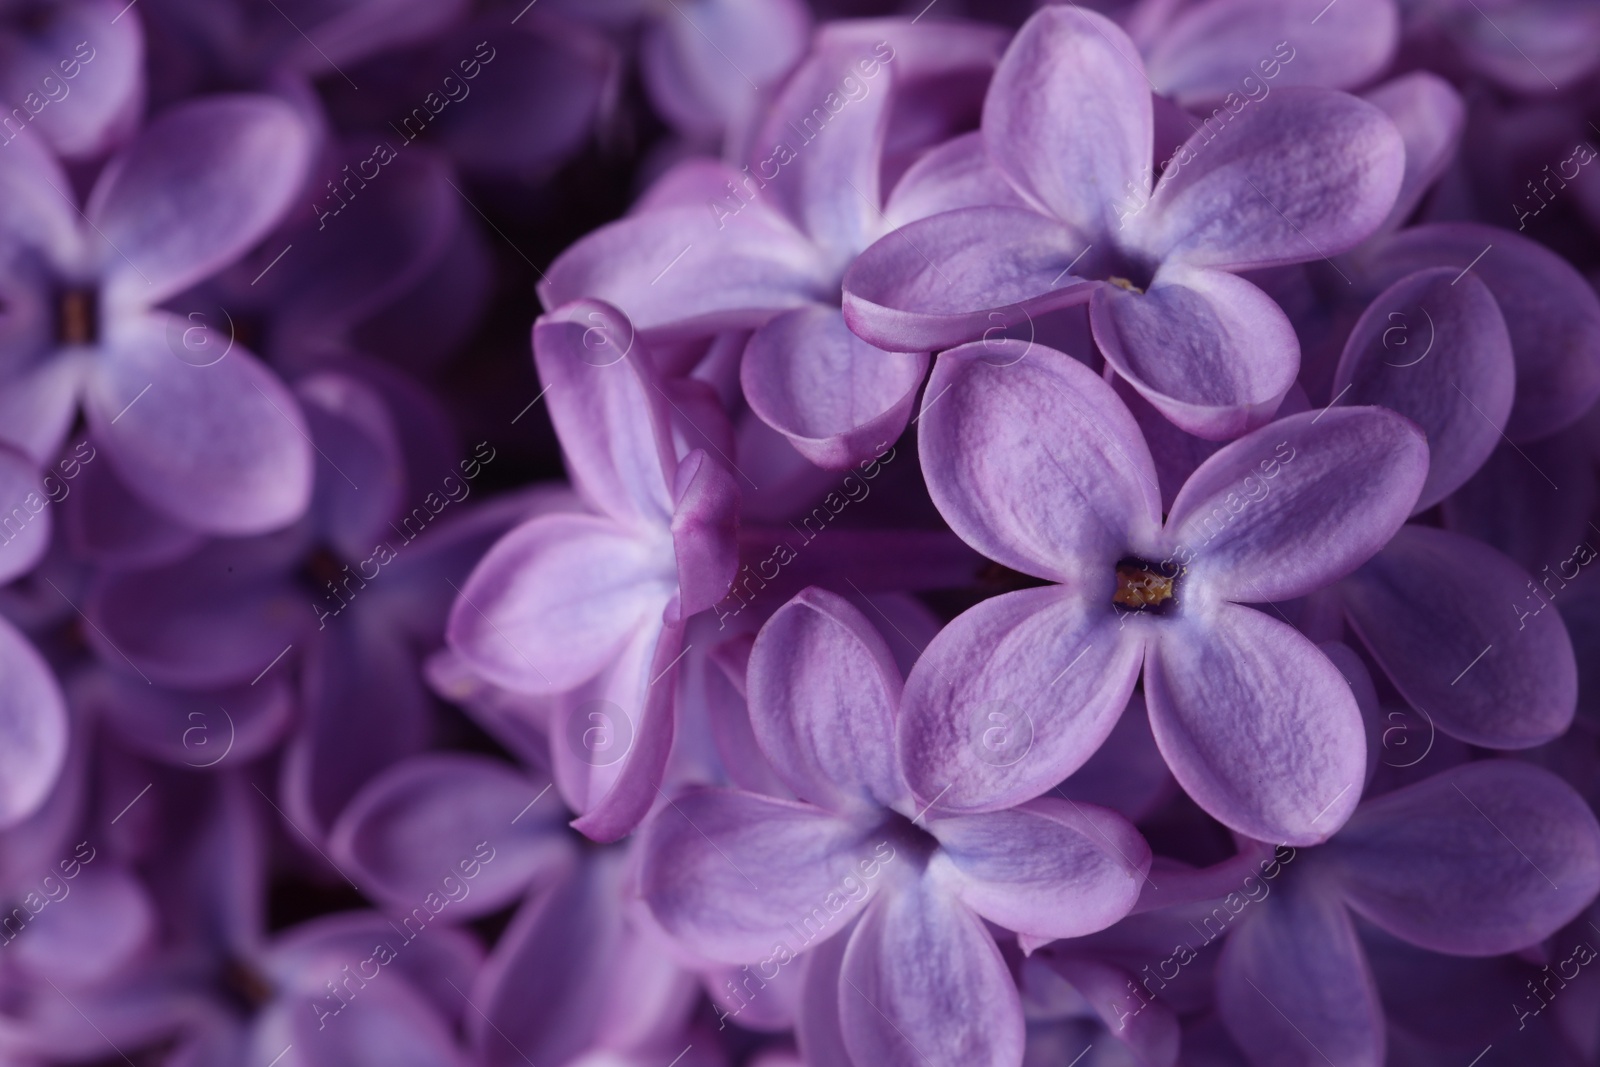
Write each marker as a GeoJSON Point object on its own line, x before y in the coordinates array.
{"type": "Point", "coordinates": [1126, 773]}
{"type": "Point", "coordinates": [1466, 635]}
{"type": "Point", "coordinates": [1244, 49]}
{"type": "Point", "coordinates": [222, 448]}
{"type": "Point", "coordinates": [1461, 396]}
{"type": "Point", "coordinates": [834, 396]}
{"type": "Point", "coordinates": [186, 728]}
{"type": "Point", "coordinates": [1552, 312]}
{"type": "Point", "coordinates": [1307, 175]}
{"type": "Point", "coordinates": [1342, 480]}
{"type": "Point", "coordinates": [956, 174]}
{"type": "Point", "coordinates": [1258, 726]}
{"type": "Point", "coordinates": [203, 183]}
{"type": "Point", "coordinates": [1072, 78]}
{"type": "Point", "coordinates": [694, 269]}
{"type": "Point", "coordinates": [107, 89]}
{"type": "Point", "coordinates": [1013, 696]}
{"type": "Point", "coordinates": [1210, 351]}
{"type": "Point", "coordinates": [1034, 461]}
{"type": "Point", "coordinates": [1293, 985]}
{"type": "Point", "coordinates": [556, 599]}
{"type": "Point", "coordinates": [110, 526]}
{"type": "Point", "coordinates": [823, 693]}
{"type": "Point", "coordinates": [1480, 859]}
{"type": "Point", "coordinates": [919, 968]}
{"type": "Point", "coordinates": [1429, 114]}
{"type": "Point", "coordinates": [427, 825]}
{"type": "Point", "coordinates": [25, 512]}
{"type": "Point", "coordinates": [732, 875]}
{"type": "Point", "coordinates": [78, 944]}
{"type": "Point", "coordinates": [962, 275]}
{"type": "Point", "coordinates": [362, 477]}
{"type": "Point", "coordinates": [608, 408]}
{"type": "Point", "coordinates": [704, 533]}
{"type": "Point", "coordinates": [1051, 868]}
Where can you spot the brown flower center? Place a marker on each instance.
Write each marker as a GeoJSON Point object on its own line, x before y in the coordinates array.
{"type": "Point", "coordinates": [1143, 586]}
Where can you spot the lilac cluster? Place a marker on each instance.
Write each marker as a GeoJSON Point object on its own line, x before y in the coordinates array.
{"type": "Point", "coordinates": [1032, 534]}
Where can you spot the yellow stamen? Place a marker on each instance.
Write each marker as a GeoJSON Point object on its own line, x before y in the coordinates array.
{"type": "Point", "coordinates": [1141, 587]}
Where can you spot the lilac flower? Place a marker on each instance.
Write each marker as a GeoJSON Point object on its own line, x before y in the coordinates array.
{"type": "Point", "coordinates": [1034, 461]}
{"type": "Point", "coordinates": [764, 248]}
{"type": "Point", "coordinates": [1068, 123]}
{"type": "Point", "coordinates": [1479, 860]}
{"type": "Point", "coordinates": [740, 877]}
{"type": "Point", "coordinates": [220, 448]}
{"type": "Point", "coordinates": [573, 974]}
{"type": "Point", "coordinates": [593, 606]}
{"type": "Point", "coordinates": [80, 51]}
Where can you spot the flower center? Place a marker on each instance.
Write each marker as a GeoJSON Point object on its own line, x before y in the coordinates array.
{"type": "Point", "coordinates": [1123, 283]}
{"type": "Point", "coordinates": [1143, 586]}
{"type": "Point", "coordinates": [77, 317]}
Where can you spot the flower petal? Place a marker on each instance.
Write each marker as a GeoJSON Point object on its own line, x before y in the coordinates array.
{"type": "Point", "coordinates": [1297, 504]}
{"type": "Point", "coordinates": [1307, 174]}
{"type": "Point", "coordinates": [1293, 985]}
{"type": "Point", "coordinates": [732, 874]}
{"type": "Point", "coordinates": [919, 969]}
{"type": "Point", "coordinates": [1034, 461]}
{"type": "Point", "coordinates": [203, 183]}
{"type": "Point", "coordinates": [1461, 396]}
{"type": "Point", "coordinates": [1551, 310]}
{"type": "Point", "coordinates": [1258, 726]}
{"type": "Point", "coordinates": [1198, 58]}
{"type": "Point", "coordinates": [823, 691]}
{"type": "Point", "coordinates": [1429, 114]}
{"type": "Point", "coordinates": [1013, 696]}
{"type": "Point", "coordinates": [222, 448]}
{"type": "Point", "coordinates": [1072, 78]}
{"type": "Point", "coordinates": [834, 396]}
{"type": "Point", "coordinates": [1480, 859]}
{"type": "Point", "coordinates": [962, 275]}
{"type": "Point", "coordinates": [1210, 351]}
{"type": "Point", "coordinates": [556, 598]}
{"type": "Point", "coordinates": [426, 824]}
{"type": "Point", "coordinates": [1466, 635]}
{"type": "Point", "coordinates": [1050, 868]}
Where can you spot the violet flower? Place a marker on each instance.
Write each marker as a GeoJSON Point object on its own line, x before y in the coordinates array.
{"type": "Point", "coordinates": [593, 606]}
{"type": "Point", "coordinates": [1035, 462]}
{"type": "Point", "coordinates": [220, 447]}
{"type": "Point", "coordinates": [1068, 123]}
{"type": "Point", "coordinates": [741, 878]}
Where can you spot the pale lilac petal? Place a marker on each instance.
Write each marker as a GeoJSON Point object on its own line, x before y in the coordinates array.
{"type": "Point", "coordinates": [962, 275]}
{"type": "Point", "coordinates": [108, 525]}
{"type": "Point", "coordinates": [555, 599]}
{"type": "Point", "coordinates": [702, 268]}
{"type": "Point", "coordinates": [732, 875]}
{"type": "Point", "coordinates": [1072, 78]}
{"type": "Point", "coordinates": [1258, 726]}
{"type": "Point", "coordinates": [1246, 49]}
{"type": "Point", "coordinates": [687, 65]}
{"type": "Point", "coordinates": [33, 723]}
{"type": "Point", "coordinates": [1210, 351]}
{"type": "Point", "coordinates": [1551, 310]}
{"type": "Point", "coordinates": [361, 479]}
{"type": "Point", "coordinates": [818, 1030]}
{"type": "Point", "coordinates": [956, 174]}
{"type": "Point", "coordinates": [203, 183]}
{"type": "Point", "coordinates": [823, 693]}
{"type": "Point", "coordinates": [389, 1024]}
{"type": "Point", "coordinates": [834, 396]}
{"type": "Point", "coordinates": [704, 533]}
{"type": "Point", "coordinates": [1466, 634]}
{"type": "Point", "coordinates": [40, 210]}
{"type": "Point", "coordinates": [1429, 114]}
{"type": "Point", "coordinates": [832, 123]}
{"type": "Point", "coordinates": [107, 91]}
{"type": "Point", "coordinates": [605, 399]}
{"type": "Point", "coordinates": [640, 687]}
{"type": "Point", "coordinates": [1297, 504]}
{"type": "Point", "coordinates": [919, 968]}
{"type": "Point", "coordinates": [1034, 461]}
{"type": "Point", "coordinates": [1050, 868]}
{"type": "Point", "coordinates": [1293, 985]}
{"type": "Point", "coordinates": [1434, 348]}
{"type": "Point", "coordinates": [222, 448]}
{"type": "Point", "coordinates": [1013, 696]}
{"type": "Point", "coordinates": [26, 515]}
{"type": "Point", "coordinates": [426, 825]}
{"type": "Point", "coordinates": [1307, 174]}
{"type": "Point", "coordinates": [111, 923]}
{"type": "Point", "coordinates": [1480, 859]}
